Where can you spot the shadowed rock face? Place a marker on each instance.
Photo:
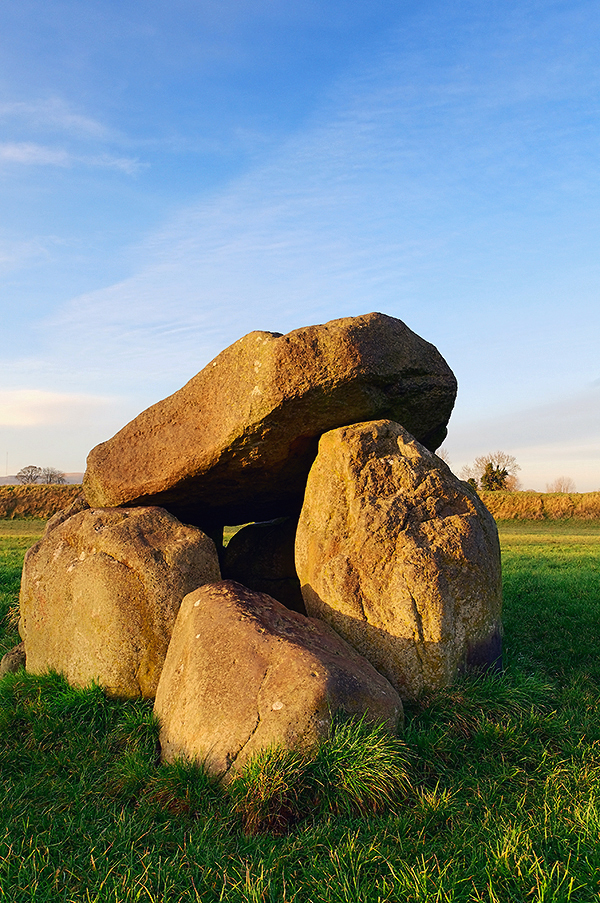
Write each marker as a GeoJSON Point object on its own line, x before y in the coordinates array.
{"type": "Point", "coordinates": [236, 443]}
{"type": "Point", "coordinates": [400, 557]}
{"type": "Point", "coordinates": [261, 557]}
{"type": "Point", "coordinates": [243, 673]}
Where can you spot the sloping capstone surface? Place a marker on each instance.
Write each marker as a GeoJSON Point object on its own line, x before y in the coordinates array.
{"type": "Point", "coordinates": [242, 672]}
{"type": "Point", "coordinates": [100, 593]}
{"type": "Point", "coordinates": [236, 443]}
{"type": "Point", "coordinates": [400, 557]}
{"type": "Point", "coordinates": [261, 557]}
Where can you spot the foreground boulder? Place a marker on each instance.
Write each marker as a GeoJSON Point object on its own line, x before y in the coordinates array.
{"type": "Point", "coordinates": [100, 593]}
{"type": "Point", "coordinates": [261, 557]}
{"type": "Point", "coordinates": [400, 557]}
{"type": "Point", "coordinates": [242, 673]}
{"type": "Point", "coordinates": [236, 443]}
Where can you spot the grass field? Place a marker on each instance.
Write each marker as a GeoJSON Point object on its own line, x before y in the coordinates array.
{"type": "Point", "coordinates": [502, 801]}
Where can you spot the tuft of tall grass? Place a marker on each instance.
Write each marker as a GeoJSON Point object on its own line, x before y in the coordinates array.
{"type": "Point", "coordinates": [273, 791]}
{"type": "Point", "coordinates": [359, 769]}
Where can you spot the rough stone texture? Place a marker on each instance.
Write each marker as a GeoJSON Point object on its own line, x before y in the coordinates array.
{"type": "Point", "coordinates": [101, 591]}
{"type": "Point", "coordinates": [76, 506]}
{"type": "Point", "coordinates": [236, 443]}
{"type": "Point", "coordinates": [261, 556]}
{"type": "Point", "coordinates": [400, 557]}
{"type": "Point", "coordinates": [242, 672]}
{"type": "Point", "coordinates": [12, 660]}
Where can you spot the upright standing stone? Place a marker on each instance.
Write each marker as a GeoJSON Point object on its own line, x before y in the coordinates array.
{"type": "Point", "coordinates": [261, 557]}
{"type": "Point", "coordinates": [101, 591]}
{"type": "Point", "coordinates": [400, 557]}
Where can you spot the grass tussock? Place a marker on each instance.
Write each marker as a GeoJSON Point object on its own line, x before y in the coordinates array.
{"type": "Point", "coordinates": [492, 793]}
{"type": "Point", "coordinates": [360, 769]}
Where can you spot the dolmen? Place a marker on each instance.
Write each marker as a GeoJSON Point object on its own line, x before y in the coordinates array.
{"type": "Point", "coordinates": [367, 575]}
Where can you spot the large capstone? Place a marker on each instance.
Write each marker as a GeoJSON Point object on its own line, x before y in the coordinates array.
{"type": "Point", "coordinates": [400, 557]}
{"type": "Point", "coordinates": [101, 591]}
{"type": "Point", "coordinates": [236, 443]}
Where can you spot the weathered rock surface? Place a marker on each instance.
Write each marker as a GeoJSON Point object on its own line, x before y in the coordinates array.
{"type": "Point", "coordinates": [400, 557]}
{"type": "Point", "coordinates": [242, 672]}
{"type": "Point", "coordinates": [101, 591]}
{"type": "Point", "coordinates": [12, 660]}
{"type": "Point", "coordinates": [261, 557]}
{"type": "Point", "coordinates": [236, 443]}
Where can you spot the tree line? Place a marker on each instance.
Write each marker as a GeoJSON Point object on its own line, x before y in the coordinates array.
{"type": "Point", "coordinates": [33, 474]}
{"type": "Point", "coordinates": [492, 472]}
{"type": "Point", "coordinates": [498, 471]}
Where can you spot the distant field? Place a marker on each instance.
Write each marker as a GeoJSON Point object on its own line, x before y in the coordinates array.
{"type": "Point", "coordinates": [23, 526]}
{"type": "Point", "coordinates": [34, 527]}
{"type": "Point", "coordinates": [556, 564]}
{"type": "Point", "coordinates": [543, 505]}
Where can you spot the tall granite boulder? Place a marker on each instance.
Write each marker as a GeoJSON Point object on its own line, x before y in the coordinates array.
{"type": "Point", "coordinates": [400, 557]}
{"type": "Point", "coordinates": [100, 593]}
{"type": "Point", "coordinates": [261, 557]}
{"type": "Point", "coordinates": [236, 443]}
{"type": "Point", "coordinates": [243, 673]}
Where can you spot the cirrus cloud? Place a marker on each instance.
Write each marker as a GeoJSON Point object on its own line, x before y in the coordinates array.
{"type": "Point", "coordinates": [30, 154]}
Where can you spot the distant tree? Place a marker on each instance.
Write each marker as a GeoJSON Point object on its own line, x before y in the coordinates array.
{"type": "Point", "coordinates": [443, 454]}
{"type": "Point", "coordinates": [561, 484]}
{"type": "Point", "coordinates": [513, 483]}
{"type": "Point", "coordinates": [470, 475]}
{"type": "Point", "coordinates": [29, 474]}
{"type": "Point", "coordinates": [493, 478]}
{"type": "Point", "coordinates": [492, 472]}
{"type": "Point", "coordinates": [52, 475]}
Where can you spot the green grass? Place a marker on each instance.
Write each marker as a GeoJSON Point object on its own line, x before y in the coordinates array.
{"type": "Point", "coordinates": [15, 538]}
{"type": "Point", "coordinates": [492, 795]}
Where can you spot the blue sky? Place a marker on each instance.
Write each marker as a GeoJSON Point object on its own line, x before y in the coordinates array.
{"type": "Point", "coordinates": [175, 175]}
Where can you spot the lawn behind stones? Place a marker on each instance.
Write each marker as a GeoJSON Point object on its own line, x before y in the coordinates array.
{"type": "Point", "coordinates": [499, 798]}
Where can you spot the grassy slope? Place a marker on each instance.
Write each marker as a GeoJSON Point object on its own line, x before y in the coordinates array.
{"type": "Point", "coordinates": [505, 774]}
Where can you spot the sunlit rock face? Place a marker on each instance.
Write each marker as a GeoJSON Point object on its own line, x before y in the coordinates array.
{"type": "Point", "coordinates": [244, 673]}
{"type": "Point", "coordinates": [101, 591]}
{"type": "Point", "coordinates": [236, 443]}
{"type": "Point", "coordinates": [324, 439]}
{"type": "Point", "coordinates": [400, 557]}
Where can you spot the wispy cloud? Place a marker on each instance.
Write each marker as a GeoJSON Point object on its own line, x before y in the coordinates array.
{"type": "Point", "coordinates": [55, 113]}
{"type": "Point", "coordinates": [35, 407]}
{"type": "Point", "coordinates": [29, 154]}
{"type": "Point", "coordinates": [68, 138]}
{"type": "Point", "coordinates": [16, 254]}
